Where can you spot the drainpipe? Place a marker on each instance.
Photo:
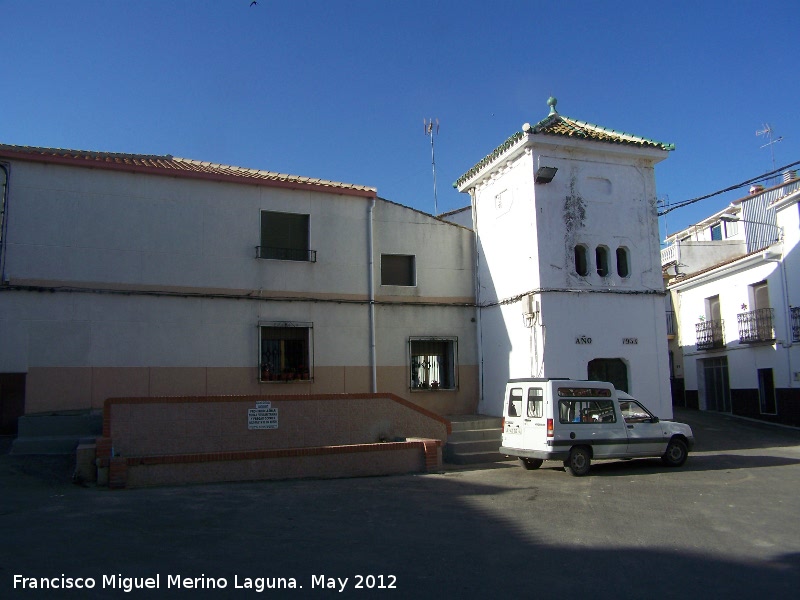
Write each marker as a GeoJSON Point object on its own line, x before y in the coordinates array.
{"type": "Point", "coordinates": [3, 223]}
{"type": "Point", "coordinates": [478, 296]}
{"type": "Point", "coordinates": [371, 278]}
{"type": "Point", "coordinates": [788, 317]}
{"type": "Point", "coordinates": [788, 343]}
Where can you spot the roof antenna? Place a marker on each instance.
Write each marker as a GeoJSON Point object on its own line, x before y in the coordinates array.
{"type": "Point", "coordinates": [432, 127]}
{"type": "Point", "coordinates": [767, 131]}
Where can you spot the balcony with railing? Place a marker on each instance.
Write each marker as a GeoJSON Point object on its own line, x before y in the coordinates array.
{"type": "Point", "coordinates": [671, 324]}
{"type": "Point", "coordinates": [795, 323]}
{"type": "Point", "coordinates": [710, 335]}
{"type": "Point", "coordinates": [757, 326]}
{"type": "Point", "coordinates": [297, 254]}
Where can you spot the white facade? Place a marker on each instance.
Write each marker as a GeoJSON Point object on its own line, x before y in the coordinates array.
{"type": "Point", "coordinates": [144, 280]}
{"type": "Point", "coordinates": [540, 316]}
{"type": "Point", "coordinates": [739, 327]}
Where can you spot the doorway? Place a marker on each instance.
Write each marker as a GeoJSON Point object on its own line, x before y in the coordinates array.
{"type": "Point", "coordinates": [717, 390]}
{"type": "Point", "coordinates": [12, 401]}
{"type": "Point", "coordinates": [612, 370]}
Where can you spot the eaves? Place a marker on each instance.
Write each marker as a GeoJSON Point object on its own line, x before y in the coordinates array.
{"type": "Point", "coordinates": [727, 269]}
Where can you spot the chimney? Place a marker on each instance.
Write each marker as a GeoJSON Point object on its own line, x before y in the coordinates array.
{"type": "Point", "coordinates": [790, 176]}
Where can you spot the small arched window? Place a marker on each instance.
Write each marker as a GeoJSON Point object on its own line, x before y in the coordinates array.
{"type": "Point", "coordinates": [581, 261]}
{"type": "Point", "coordinates": [601, 260]}
{"type": "Point", "coordinates": [623, 266]}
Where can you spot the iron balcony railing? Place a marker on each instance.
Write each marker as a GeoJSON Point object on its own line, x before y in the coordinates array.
{"type": "Point", "coordinates": [286, 254]}
{"type": "Point", "coordinates": [671, 322]}
{"type": "Point", "coordinates": [795, 323]}
{"type": "Point", "coordinates": [757, 326]}
{"type": "Point", "coordinates": [710, 335]}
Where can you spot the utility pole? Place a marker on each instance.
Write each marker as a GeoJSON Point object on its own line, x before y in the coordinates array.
{"type": "Point", "coordinates": [432, 127]}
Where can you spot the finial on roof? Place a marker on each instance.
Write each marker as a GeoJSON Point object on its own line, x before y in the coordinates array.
{"type": "Point", "coordinates": [551, 102]}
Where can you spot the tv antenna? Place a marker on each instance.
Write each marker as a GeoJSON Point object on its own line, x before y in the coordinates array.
{"type": "Point", "coordinates": [431, 128]}
{"type": "Point", "coordinates": [767, 131]}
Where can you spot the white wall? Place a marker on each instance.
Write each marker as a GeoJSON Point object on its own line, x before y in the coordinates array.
{"type": "Point", "coordinates": [175, 246]}
{"type": "Point", "coordinates": [526, 241]}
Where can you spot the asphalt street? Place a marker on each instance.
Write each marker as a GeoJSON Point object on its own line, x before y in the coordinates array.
{"type": "Point", "coordinates": [725, 525]}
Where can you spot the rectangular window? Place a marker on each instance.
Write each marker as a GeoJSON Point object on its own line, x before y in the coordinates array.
{"type": "Point", "coordinates": [284, 236]}
{"type": "Point", "coordinates": [716, 232]}
{"type": "Point", "coordinates": [766, 392]}
{"type": "Point", "coordinates": [434, 363]}
{"type": "Point", "coordinates": [515, 402]}
{"type": "Point", "coordinates": [285, 351]}
{"type": "Point", "coordinates": [398, 269]}
{"type": "Point", "coordinates": [535, 403]}
{"type": "Point", "coordinates": [586, 411]}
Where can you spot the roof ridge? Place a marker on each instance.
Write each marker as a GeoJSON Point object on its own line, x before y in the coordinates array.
{"type": "Point", "coordinates": [167, 162]}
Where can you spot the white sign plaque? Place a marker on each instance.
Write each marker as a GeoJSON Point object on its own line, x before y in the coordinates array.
{"type": "Point", "coordinates": [262, 418]}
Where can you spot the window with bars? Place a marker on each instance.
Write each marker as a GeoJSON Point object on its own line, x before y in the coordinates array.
{"type": "Point", "coordinates": [285, 351]}
{"type": "Point", "coordinates": [434, 363]}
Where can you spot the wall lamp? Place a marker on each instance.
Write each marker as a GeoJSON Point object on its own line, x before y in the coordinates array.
{"type": "Point", "coordinates": [737, 219]}
{"type": "Point", "coordinates": [545, 174]}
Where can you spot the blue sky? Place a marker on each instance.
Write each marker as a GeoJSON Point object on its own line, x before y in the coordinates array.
{"type": "Point", "coordinates": [339, 89]}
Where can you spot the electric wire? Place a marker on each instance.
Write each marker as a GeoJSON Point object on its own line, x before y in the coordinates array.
{"type": "Point", "coordinates": [757, 179]}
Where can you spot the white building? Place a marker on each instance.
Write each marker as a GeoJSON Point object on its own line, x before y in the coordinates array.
{"type": "Point", "coordinates": [131, 275]}
{"type": "Point", "coordinates": [568, 272]}
{"type": "Point", "coordinates": [735, 288]}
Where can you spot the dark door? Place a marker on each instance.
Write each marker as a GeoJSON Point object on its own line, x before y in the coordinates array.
{"type": "Point", "coordinates": [612, 370]}
{"type": "Point", "coordinates": [12, 401]}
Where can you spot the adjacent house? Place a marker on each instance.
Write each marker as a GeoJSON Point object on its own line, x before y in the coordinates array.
{"type": "Point", "coordinates": [134, 275]}
{"type": "Point", "coordinates": [568, 277]}
{"type": "Point", "coordinates": [735, 290]}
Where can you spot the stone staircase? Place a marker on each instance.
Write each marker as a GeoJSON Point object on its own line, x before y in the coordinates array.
{"type": "Point", "coordinates": [474, 439]}
{"type": "Point", "coordinates": [56, 433]}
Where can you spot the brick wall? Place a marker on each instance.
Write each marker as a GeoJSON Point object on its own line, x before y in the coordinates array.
{"type": "Point", "coordinates": [149, 441]}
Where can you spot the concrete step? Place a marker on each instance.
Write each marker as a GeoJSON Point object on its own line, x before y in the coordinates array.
{"type": "Point", "coordinates": [469, 435]}
{"type": "Point", "coordinates": [471, 458]}
{"type": "Point", "coordinates": [490, 445]}
{"type": "Point", "coordinates": [474, 439]}
{"type": "Point", "coordinates": [472, 422]}
{"type": "Point", "coordinates": [55, 433]}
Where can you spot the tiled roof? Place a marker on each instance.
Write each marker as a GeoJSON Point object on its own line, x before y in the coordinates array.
{"type": "Point", "coordinates": [559, 125]}
{"type": "Point", "coordinates": [178, 167]}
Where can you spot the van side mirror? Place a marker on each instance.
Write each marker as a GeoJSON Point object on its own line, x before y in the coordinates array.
{"type": "Point", "coordinates": [655, 419]}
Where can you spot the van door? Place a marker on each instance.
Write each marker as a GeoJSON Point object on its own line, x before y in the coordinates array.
{"type": "Point", "coordinates": [513, 418]}
{"type": "Point", "coordinates": [646, 436]}
{"type": "Point", "coordinates": [534, 424]}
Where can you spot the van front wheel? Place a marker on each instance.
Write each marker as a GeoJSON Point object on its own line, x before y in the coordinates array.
{"type": "Point", "coordinates": [531, 463]}
{"type": "Point", "coordinates": [578, 462]}
{"type": "Point", "coordinates": [676, 453]}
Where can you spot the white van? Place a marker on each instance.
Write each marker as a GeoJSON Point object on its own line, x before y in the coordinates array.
{"type": "Point", "coordinates": [578, 421]}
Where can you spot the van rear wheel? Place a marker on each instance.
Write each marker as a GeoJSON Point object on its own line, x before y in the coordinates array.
{"type": "Point", "coordinates": [578, 462]}
{"type": "Point", "coordinates": [531, 463]}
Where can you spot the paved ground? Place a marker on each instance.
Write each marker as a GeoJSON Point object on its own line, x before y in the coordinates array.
{"type": "Point", "coordinates": [726, 525]}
